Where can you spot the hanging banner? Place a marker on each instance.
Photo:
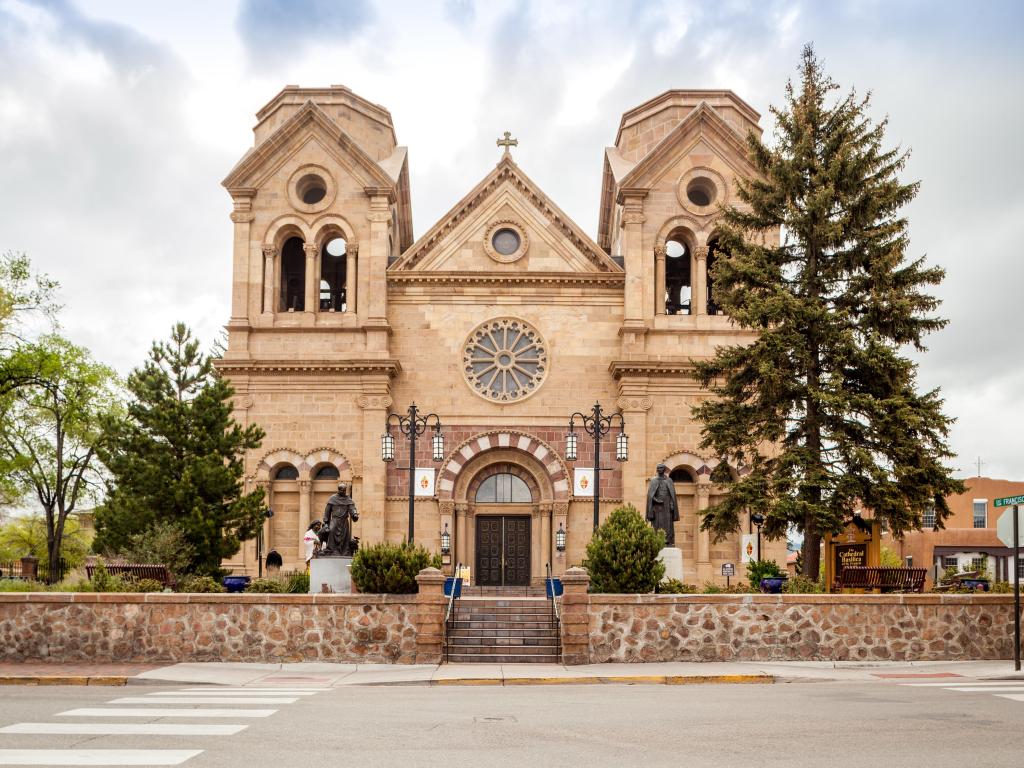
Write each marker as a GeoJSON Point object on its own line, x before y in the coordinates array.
{"type": "Point", "coordinates": [424, 483]}
{"type": "Point", "coordinates": [748, 546]}
{"type": "Point", "coordinates": [583, 483]}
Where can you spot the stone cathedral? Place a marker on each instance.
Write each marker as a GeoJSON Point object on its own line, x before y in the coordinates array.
{"type": "Point", "coordinates": [502, 320]}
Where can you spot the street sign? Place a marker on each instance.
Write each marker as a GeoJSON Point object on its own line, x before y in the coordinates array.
{"type": "Point", "coordinates": [1008, 501]}
{"type": "Point", "coordinates": [728, 569]}
{"type": "Point", "coordinates": [1004, 525]}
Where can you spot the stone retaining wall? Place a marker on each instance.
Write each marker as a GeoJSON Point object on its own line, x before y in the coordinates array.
{"type": "Point", "coordinates": [926, 627]}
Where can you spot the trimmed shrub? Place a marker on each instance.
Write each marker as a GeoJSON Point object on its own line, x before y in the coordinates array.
{"type": "Point", "coordinates": [297, 583]}
{"type": "Point", "coordinates": [144, 585]}
{"type": "Point", "coordinates": [762, 569]}
{"type": "Point", "coordinates": [801, 585]}
{"type": "Point", "coordinates": [388, 568]}
{"type": "Point", "coordinates": [710, 588]}
{"type": "Point", "coordinates": [201, 584]}
{"type": "Point", "coordinates": [266, 586]}
{"type": "Point", "coordinates": [622, 556]}
{"type": "Point", "coordinates": [675, 587]}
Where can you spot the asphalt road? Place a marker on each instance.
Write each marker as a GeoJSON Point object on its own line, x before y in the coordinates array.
{"type": "Point", "coordinates": [802, 724]}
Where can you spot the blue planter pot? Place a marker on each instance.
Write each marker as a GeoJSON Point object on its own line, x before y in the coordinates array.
{"type": "Point", "coordinates": [236, 583]}
{"type": "Point", "coordinates": [773, 584]}
{"type": "Point", "coordinates": [978, 585]}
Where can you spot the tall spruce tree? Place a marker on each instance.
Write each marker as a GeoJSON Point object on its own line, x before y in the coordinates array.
{"type": "Point", "coordinates": [177, 457]}
{"type": "Point", "coordinates": [822, 409]}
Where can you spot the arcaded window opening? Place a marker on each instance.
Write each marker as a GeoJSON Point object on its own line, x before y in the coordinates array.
{"type": "Point", "coordinates": [714, 249]}
{"type": "Point", "coordinates": [678, 280]}
{"type": "Point", "coordinates": [334, 275]}
{"type": "Point", "coordinates": [293, 276]}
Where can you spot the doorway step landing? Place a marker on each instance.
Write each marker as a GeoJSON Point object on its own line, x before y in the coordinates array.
{"type": "Point", "coordinates": [520, 630]}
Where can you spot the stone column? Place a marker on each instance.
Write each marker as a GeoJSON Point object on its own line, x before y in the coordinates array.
{"type": "Point", "coordinates": [637, 287]}
{"type": "Point", "coordinates": [312, 301]}
{"type": "Point", "coordinates": [375, 405]}
{"type": "Point", "coordinates": [575, 624]}
{"type": "Point", "coordinates": [269, 257]}
{"type": "Point", "coordinates": [430, 607]}
{"type": "Point", "coordinates": [546, 556]}
{"type": "Point", "coordinates": [375, 260]}
{"type": "Point", "coordinates": [351, 276]}
{"type": "Point", "coordinates": [634, 404]}
{"type": "Point", "coordinates": [659, 280]}
{"type": "Point", "coordinates": [305, 504]}
{"type": "Point", "coordinates": [704, 572]}
{"type": "Point", "coordinates": [242, 216]}
{"type": "Point", "coordinates": [462, 534]}
{"type": "Point", "coordinates": [699, 279]}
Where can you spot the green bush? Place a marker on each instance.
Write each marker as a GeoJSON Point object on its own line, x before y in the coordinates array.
{"type": "Point", "coordinates": [675, 587]}
{"type": "Point", "coordinates": [297, 583]}
{"type": "Point", "coordinates": [163, 543]}
{"type": "Point", "coordinates": [103, 581]}
{"type": "Point", "coordinates": [710, 588]}
{"type": "Point", "coordinates": [388, 568]}
{"type": "Point", "coordinates": [622, 556]}
{"type": "Point", "coordinates": [762, 569]}
{"type": "Point", "coordinates": [17, 585]}
{"type": "Point", "coordinates": [801, 585]}
{"type": "Point", "coordinates": [201, 584]}
{"type": "Point", "coordinates": [1001, 587]}
{"type": "Point", "coordinates": [144, 585]}
{"type": "Point", "coordinates": [267, 586]}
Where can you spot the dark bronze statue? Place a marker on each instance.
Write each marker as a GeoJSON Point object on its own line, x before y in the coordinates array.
{"type": "Point", "coordinates": [662, 507]}
{"type": "Point", "coordinates": [336, 532]}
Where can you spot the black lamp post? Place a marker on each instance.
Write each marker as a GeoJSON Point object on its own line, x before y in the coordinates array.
{"type": "Point", "coordinates": [267, 514]}
{"type": "Point", "coordinates": [597, 425]}
{"type": "Point", "coordinates": [412, 426]}
{"type": "Point", "coordinates": [758, 519]}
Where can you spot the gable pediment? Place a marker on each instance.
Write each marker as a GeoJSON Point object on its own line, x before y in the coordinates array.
{"type": "Point", "coordinates": [506, 198]}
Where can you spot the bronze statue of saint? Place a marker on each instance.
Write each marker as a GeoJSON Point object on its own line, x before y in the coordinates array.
{"type": "Point", "coordinates": [662, 507]}
{"type": "Point", "coordinates": [336, 532]}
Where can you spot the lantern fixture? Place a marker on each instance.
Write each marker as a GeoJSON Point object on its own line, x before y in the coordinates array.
{"type": "Point", "coordinates": [622, 447]}
{"type": "Point", "coordinates": [560, 538]}
{"type": "Point", "coordinates": [570, 446]}
{"type": "Point", "coordinates": [438, 443]}
{"type": "Point", "coordinates": [387, 447]}
{"type": "Point", "coordinates": [446, 541]}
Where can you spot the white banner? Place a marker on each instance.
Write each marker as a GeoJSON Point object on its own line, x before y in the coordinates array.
{"type": "Point", "coordinates": [748, 544]}
{"type": "Point", "coordinates": [424, 483]}
{"type": "Point", "coordinates": [583, 483]}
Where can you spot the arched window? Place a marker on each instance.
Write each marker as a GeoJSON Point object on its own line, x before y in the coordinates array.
{"type": "Point", "coordinates": [293, 276]}
{"type": "Point", "coordinates": [682, 475]}
{"type": "Point", "coordinates": [327, 473]}
{"type": "Point", "coordinates": [503, 488]}
{"type": "Point", "coordinates": [333, 275]}
{"type": "Point", "coordinates": [678, 284]}
{"type": "Point", "coordinates": [286, 472]}
{"type": "Point", "coordinates": [714, 249]}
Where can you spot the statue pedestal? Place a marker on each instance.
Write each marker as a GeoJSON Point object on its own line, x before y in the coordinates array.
{"type": "Point", "coordinates": [332, 571]}
{"type": "Point", "coordinates": [672, 557]}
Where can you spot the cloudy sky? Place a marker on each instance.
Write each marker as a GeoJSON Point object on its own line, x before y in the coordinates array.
{"type": "Point", "coordinates": [119, 118]}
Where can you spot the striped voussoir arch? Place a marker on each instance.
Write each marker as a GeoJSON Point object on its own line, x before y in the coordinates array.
{"type": "Point", "coordinates": [507, 439]}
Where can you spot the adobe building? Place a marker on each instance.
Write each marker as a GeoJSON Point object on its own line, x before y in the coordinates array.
{"type": "Point", "coordinates": [969, 537]}
{"type": "Point", "coordinates": [503, 319]}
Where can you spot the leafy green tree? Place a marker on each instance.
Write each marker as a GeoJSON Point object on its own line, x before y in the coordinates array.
{"type": "Point", "coordinates": [51, 430]}
{"type": "Point", "coordinates": [24, 535]}
{"type": "Point", "coordinates": [822, 409]}
{"type": "Point", "coordinates": [177, 456]}
{"type": "Point", "coordinates": [622, 556]}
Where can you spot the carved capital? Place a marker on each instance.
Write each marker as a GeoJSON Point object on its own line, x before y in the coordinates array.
{"type": "Point", "coordinates": [560, 508]}
{"type": "Point", "coordinates": [701, 252]}
{"type": "Point", "coordinates": [242, 217]}
{"type": "Point", "coordinates": [446, 508]}
{"type": "Point", "coordinates": [634, 218]}
{"type": "Point", "coordinates": [659, 251]}
{"type": "Point", "coordinates": [374, 401]}
{"type": "Point", "coordinates": [462, 509]}
{"type": "Point", "coordinates": [311, 250]}
{"type": "Point", "coordinates": [305, 485]}
{"type": "Point", "coordinates": [704, 490]}
{"type": "Point", "coordinates": [634, 403]}
{"type": "Point", "coordinates": [244, 402]}
{"type": "Point", "coordinates": [352, 249]}
{"type": "Point", "coordinates": [269, 252]}
{"type": "Point", "coordinates": [378, 216]}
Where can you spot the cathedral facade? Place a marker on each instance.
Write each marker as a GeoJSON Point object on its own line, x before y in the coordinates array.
{"type": "Point", "coordinates": [499, 322]}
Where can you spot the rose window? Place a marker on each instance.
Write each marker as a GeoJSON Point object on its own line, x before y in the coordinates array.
{"type": "Point", "coordinates": [505, 360]}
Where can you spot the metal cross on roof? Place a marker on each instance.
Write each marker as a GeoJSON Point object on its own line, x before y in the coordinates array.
{"type": "Point", "coordinates": [508, 142]}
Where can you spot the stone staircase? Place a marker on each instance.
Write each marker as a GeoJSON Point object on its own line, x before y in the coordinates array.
{"type": "Point", "coordinates": [503, 630]}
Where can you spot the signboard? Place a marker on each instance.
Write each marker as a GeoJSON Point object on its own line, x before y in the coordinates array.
{"type": "Point", "coordinates": [583, 482]}
{"type": "Point", "coordinates": [1008, 501]}
{"type": "Point", "coordinates": [424, 482]}
{"type": "Point", "coordinates": [1004, 525]}
{"type": "Point", "coordinates": [748, 548]}
{"type": "Point", "coordinates": [849, 555]}
{"type": "Point", "coordinates": [728, 569]}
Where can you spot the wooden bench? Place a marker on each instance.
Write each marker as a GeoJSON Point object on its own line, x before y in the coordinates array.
{"type": "Point", "coordinates": [882, 579]}
{"type": "Point", "coordinates": [137, 571]}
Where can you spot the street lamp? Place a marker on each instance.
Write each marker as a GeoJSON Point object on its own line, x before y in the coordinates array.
{"type": "Point", "coordinates": [560, 538]}
{"type": "Point", "coordinates": [758, 519]}
{"type": "Point", "coordinates": [446, 541]}
{"type": "Point", "coordinates": [597, 425]}
{"type": "Point", "coordinates": [267, 514]}
{"type": "Point", "coordinates": [412, 426]}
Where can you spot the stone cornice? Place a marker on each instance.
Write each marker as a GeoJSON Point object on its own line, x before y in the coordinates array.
{"type": "Point", "coordinates": [390, 368]}
{"type": "Point", "coordinates": [614, 279]}
{"type": "Point", "coordinates": [620, 368]}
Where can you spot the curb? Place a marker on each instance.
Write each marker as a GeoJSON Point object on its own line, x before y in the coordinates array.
{"type": "Point", "coordinates": [598, 680]}
{"type": "Point", "coordinates": [63, 680]}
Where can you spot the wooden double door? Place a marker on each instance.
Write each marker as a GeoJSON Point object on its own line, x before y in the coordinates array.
{"type": "Point", "coordinates": [503, 550]}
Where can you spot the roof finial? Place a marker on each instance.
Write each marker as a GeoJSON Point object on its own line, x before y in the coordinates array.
{"type": "Point", "coordinates": [508, 142]}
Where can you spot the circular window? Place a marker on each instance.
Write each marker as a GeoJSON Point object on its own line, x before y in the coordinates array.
{"type": "Point", "coordinates": [506, 241]}
{"type": "Point", "coordinates": [311, 189]}
{"type": "Point", "coordinates": [701, 191]}
{"type": "Point", "coordinates": [505, 360]}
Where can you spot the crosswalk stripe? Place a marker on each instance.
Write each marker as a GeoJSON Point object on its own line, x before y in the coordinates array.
{"type": "Point", "coordinates": [96, 756]}
{"type": "Point", "coordinates": [1011, 696]}
{"type": "Point", "coordinates": [972, 683]}
{"type": "Point", "coordinates": [130, 729]}
{"type": "Point", "coordinates": [232, 693]}
{"type": "Point", "coordinates": [1000, 689]}
{"type": "Point", "coordinates": [155, 712]}
{"type": "Point", "coordinates": [202, 700]}
{"type": "Point", "coordinates": [278, 689]}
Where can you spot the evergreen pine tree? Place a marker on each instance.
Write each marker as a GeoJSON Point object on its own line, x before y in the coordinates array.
{"type": "Point", "coordinates": [822, 409]}
{"type": "Point", "coordinates": [178, 457]}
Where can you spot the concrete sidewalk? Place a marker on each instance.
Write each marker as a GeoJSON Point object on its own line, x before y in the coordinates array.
{"type": "Point", "coordinates": [337, 675]}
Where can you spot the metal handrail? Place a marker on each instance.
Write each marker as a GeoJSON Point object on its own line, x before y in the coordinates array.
{"type": "Point", "coordinates": [451, 607]}
{"type": "Point", "coordinates": [554, 597]}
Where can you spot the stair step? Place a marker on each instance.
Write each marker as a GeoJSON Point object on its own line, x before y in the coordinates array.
{"type": "Point", "coordinates": [494, 642]}
{"type": "Point", "coordinates": [510, 658]}
{"type": "Point", "coordinates": [510, 632]}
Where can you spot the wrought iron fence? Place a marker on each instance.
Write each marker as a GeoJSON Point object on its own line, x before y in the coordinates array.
{"type": "Point", "coordinates": [18, 569]}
